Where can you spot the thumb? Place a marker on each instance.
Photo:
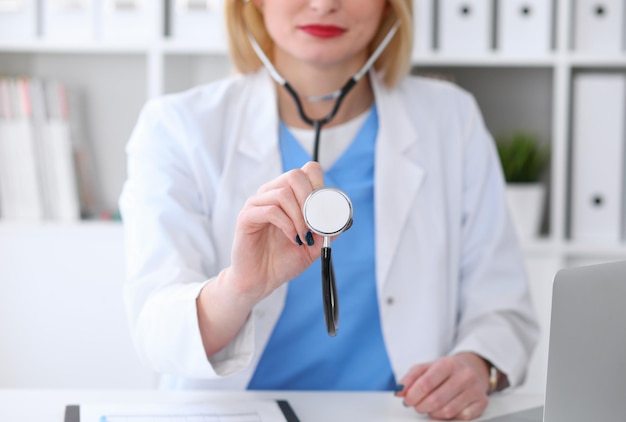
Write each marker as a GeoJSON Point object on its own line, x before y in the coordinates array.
{"type": "Point", "coordinates": [314, 171]}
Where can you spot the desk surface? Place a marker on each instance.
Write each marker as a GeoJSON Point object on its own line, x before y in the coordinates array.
{"type": "Point", "coordinates": [49, 405]}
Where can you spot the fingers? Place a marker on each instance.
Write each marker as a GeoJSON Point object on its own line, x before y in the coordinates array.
{"type": "Point", "coordinates": [420, 393]}
{"type": "Point", "coordinates": [445, 389]}
{"type": "Point", "coordinates": [315, 173]}
{"type": "Point", "coordinates": [280, 201]}
{"type": "Point", "coordinates": [409, 379]}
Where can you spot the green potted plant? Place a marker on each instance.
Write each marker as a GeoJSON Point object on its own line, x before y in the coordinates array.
{"type": "Point", "coordinates": [524, 160]}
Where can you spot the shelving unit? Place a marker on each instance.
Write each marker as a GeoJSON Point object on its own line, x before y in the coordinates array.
{"type": "Point", "coordinates": [532, 93]}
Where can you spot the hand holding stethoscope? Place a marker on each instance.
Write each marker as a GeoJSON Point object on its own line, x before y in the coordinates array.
{"type": "Point", "coordinates": [272, 243]}
{"type": "Point", "coordinates": [283, 229]}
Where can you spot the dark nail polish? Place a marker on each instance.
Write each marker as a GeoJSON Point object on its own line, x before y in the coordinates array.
{"type": "Point", "coordinates": [309, 239]}
{"type": "Point", "coordinates": [399, 388]}
{"type": "Point", "coordinates": [404, 404]}
{"type": "Point", "coordinates": [298, 240]}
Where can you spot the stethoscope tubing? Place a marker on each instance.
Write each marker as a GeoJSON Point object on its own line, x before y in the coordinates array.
{"type": "Point", "coordinates": [338, 95]}
{"type": "Point", "coordinates": [329, 293]}
{"type": "Point", "coordinates": [318, 123]}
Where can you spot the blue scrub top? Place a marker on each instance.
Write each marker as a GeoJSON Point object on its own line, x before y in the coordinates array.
{"type": "Point", "coordinates": [300, 355]}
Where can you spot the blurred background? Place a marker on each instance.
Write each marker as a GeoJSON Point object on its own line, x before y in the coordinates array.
{"type": "Point", "coordinates": [549, 76]}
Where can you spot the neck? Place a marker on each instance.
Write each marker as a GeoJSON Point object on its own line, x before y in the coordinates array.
{"type": "Point", "coordinates": [310, 80]}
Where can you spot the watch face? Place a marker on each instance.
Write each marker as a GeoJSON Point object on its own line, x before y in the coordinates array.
{"type": "Point", "coordinates": [327, 211]}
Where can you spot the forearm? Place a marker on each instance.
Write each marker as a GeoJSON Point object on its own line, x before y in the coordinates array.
{"type": "Point", "coordinates": [222, 312]}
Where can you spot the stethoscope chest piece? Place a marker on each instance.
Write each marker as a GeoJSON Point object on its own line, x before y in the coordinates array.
{"type": "Point", "coordinates": [328, 212]}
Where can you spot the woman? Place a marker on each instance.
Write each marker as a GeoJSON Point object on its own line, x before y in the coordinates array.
{"type": "Point", "coordinates": [223, 273]}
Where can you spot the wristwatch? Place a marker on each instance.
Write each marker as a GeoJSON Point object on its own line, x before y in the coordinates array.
{"type": "Point", "coordinates": [497, 380]}
{"type": "Point", "coordinates": [493, 379]}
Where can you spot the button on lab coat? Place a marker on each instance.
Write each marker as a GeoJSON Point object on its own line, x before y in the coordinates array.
{"type": "Point", "coordinates": [449, 271]}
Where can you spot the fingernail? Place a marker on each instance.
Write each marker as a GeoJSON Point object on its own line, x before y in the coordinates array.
{"type": "Point", "coordinates": [399, 388]}
{"type": "Point", "coordinates": [309, 238]}
{"type": "Point", "coordinates": [404, 404]}
{"type": "Point", "coordinates": [298, 240]}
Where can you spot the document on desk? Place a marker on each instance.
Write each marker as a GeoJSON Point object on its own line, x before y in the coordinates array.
{"type": "Point", "coordinates": [227, 411]}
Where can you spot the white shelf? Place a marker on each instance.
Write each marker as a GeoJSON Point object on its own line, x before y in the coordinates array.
{"type": "Point", "coordinates": [491, 60]}
{"type": "Point", "coordinates": [599, 61]}
{"type": "Point", "coordinates": [594, 250]}
{"type": "Point", "coordinates": [24, 227]}
{"type": "Point", "coordinates": [78, 47]}
{"type": "Point", "coordinates": [174, 47]}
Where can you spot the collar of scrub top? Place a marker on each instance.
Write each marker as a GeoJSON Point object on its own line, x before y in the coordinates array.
{"type": "Point", "coordinates": [337, 95]}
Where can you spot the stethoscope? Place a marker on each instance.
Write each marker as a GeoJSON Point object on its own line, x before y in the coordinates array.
{"type": "Point", "coordinates": [327, 211]}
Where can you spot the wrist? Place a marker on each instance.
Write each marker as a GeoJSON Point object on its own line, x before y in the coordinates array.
{"type": "Point", "coordinates": [234, 293]}
{"type": "Point", "coordinates": [221, 313]}
{"type": "Point", "coordinates": [498, 381]}
{"type": "Point", "coordinates": [479, 365]}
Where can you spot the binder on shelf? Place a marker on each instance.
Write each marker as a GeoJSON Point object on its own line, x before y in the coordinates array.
{"type": "Point", "coordinates": [7, 201]}
{"type": "Point", "coordinates": [465, 26]}
{"type": "Point", "coordinates": [599, 26]}
{"type": "Point", "coordinates": [599, 112]}
{"type": "Point", "coordinates": [89, 196]}
{"type": "Point", "coordinates": [37, 173]}
{"type": "Point", "coordinates": [423, 31]}
{"type": "Point", "coordinates": [22, 194]}
{"type": "Point", "coordinates": [127, 20]}
{"type": "Point", "coordinates": [524, 27]}
{"type": "Point", "coordinates": [39, 120]}
{"type": "Point", "coordinates": [198, 23]}
{"type": "Point", "coordinates": [68, 20]}
{"type": "Point", "coordinates": [18, 20]}
{"type": "Point", "coordinates": [58, 157]}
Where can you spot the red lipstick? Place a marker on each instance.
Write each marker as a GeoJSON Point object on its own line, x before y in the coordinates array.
{"type": "Point", "coordinates": [323, 31]}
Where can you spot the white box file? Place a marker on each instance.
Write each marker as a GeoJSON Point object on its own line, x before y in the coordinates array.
{"type": "Point", "coordinates": [598, 157]}
{"type": "Point", "coordinates": [127, 20]}
{"type": "Point", "coordinates": [599, 26]}
{"type": "Point", "coordinates": [198, 23]}
{"type": "Point", "coordinates": [465, 26]}
{"type": "Point", "coordinates": [18, 20]}
{"type": "Point", "coordinates": [524, 27]}
{"type": "Point", "coordinates": [68, 20]}
{"type": "Point", "coordinates": [423, 28]}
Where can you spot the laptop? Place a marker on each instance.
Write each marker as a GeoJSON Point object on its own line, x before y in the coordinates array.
{"type": "Point", "coordinates": [586, 378]}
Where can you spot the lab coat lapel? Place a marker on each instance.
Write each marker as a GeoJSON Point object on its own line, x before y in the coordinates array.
{"type": "Point", "coordinates": [259, 135]}
{"type": "Point", "coordinates": [398, 174]}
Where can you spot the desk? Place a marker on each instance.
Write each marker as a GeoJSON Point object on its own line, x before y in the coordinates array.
{"type": "Point", "coordinates": [49, 405]}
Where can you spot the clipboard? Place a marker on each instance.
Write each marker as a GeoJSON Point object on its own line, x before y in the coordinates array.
{"type": "Point", "coordinates": [72, 412]}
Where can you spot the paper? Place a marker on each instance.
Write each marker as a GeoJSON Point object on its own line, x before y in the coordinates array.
{"type": "Point", "coordinates": [227, 411]}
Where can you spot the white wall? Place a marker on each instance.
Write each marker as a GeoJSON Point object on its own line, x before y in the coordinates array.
{"type": "Point", "coordinates": [62, 321]}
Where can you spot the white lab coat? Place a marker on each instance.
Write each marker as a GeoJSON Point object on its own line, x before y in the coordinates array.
{"type": "Point", "coordinates": [449, 271]}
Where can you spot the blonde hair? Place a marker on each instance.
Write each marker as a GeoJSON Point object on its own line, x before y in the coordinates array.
{"type": "Point", "coordinates": [394, 63]}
